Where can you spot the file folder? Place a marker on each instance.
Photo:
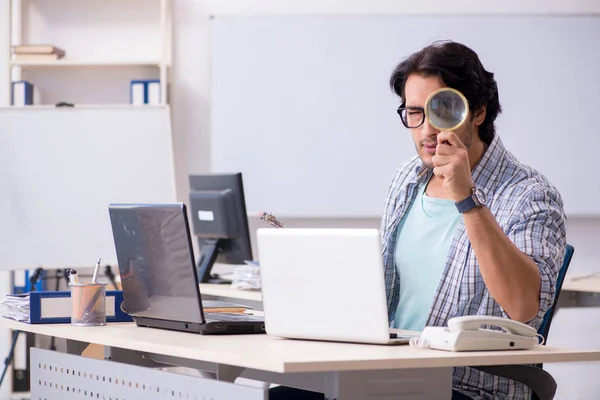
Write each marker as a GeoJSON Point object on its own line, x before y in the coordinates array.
{"type": "Point", "coordinates": [55, 307]}
{"type": "Point", "coordinates": [145, 92]}
{"type": "Point", "coordinates": [22, 93]}
{"type": "Point", "coordinates": [153, 92]}
{"type": "Point", "coordinates": [138, 93]}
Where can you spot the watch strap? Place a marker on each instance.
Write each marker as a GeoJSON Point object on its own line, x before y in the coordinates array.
{"type": "Point", "coordinates": [466, 204]}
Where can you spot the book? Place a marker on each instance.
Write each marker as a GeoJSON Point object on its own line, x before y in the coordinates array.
{"type": "Point", "coordinates": [55, 307]}
{"type": "Point", "coordinates": [37, 49]}
{"type": "Point", "coordinates": [35, 57]}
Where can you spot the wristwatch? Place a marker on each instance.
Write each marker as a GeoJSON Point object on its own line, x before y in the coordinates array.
{"type": "Point", "coordinates": [476, 199]}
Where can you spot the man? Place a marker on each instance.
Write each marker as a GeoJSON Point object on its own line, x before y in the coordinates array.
{"type": "Point", "coordinates": [467, 229]}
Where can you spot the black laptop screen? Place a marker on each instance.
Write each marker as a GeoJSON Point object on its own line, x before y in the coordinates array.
{"type": "Point", "coordinates": [156, 261]}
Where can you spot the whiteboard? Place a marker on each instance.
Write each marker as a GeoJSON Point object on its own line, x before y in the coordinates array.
{"type": "Point", "coordinates": [302, 107]}
{"type": "Point", "coordinates": [59, 170]}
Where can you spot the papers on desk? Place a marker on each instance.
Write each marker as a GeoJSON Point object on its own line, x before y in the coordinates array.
{"type": "Point", "coordinates": [16, 306]}
{"type": "Point", "coordinates": [223, 307]}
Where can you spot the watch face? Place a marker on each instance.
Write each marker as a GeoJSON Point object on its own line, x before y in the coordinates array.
{"type": "Point", "coordinates": [480, 197]}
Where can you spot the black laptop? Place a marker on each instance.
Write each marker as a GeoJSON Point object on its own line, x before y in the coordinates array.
{"type": "Point", "coordinates": [158, 273]}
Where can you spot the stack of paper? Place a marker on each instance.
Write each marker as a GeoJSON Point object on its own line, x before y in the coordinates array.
{"type": "Point", "coordinates": [16, 306]}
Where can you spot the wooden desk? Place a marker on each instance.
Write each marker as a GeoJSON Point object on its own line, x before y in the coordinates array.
{"type": "Point", "coordinates": [580, 291]}
{"type": "Point", "coordinates": [345, 371]}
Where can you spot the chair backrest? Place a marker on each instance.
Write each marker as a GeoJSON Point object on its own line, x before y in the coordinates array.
{"type": "Point", "coordinates": [541, 383]}
{"type": "Point", "coordinates": [545, 327]}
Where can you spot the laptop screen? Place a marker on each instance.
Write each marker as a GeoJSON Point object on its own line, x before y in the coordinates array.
{"type": "Point", "coordinates": [156, 261]}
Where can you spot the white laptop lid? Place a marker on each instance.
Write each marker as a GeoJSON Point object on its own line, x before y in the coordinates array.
{"type": "Point", "coordinates": [324, 284]}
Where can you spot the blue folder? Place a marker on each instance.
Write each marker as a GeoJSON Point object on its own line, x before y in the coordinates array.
{"type": "Point", "coordinates": [22, 90]}
{"type": "Point", "coordinates": [55, 307]}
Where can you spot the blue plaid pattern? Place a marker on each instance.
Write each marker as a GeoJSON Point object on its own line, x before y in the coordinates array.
{"type": "Point", "coordinates": [529, 210]}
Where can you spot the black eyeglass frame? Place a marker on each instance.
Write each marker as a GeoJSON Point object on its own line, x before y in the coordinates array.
{"type": "Point", "coordinates": [403, 107]}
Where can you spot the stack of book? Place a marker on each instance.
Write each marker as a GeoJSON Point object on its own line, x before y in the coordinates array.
{"type": "Point", "coordinates": [33, 52]}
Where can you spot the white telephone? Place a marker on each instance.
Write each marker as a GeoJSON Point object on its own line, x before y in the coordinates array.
{"type": "Point", "coordinates": [466, 334]}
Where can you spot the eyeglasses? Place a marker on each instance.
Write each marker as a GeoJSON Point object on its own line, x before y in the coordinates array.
{"type": "Point", "coordinates": [412, 117]}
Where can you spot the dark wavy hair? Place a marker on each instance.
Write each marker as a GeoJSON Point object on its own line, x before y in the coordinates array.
{"type": "Point", "coordinates": [458, 67]}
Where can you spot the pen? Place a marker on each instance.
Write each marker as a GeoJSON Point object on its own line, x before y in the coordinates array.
{"type": "Point", "coordinates": [91, 304]}
{"type": "Point", "coordinates": [73, 277]}
{"type": "Point", "coordinates": [96, 270]}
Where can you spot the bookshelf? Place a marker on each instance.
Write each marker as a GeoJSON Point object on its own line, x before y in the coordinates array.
{"type": "Point", "coordinates": [107, 44]}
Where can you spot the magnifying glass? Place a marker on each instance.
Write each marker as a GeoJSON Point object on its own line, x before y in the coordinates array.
{"type": "Point", "coordinates": [446, 109]}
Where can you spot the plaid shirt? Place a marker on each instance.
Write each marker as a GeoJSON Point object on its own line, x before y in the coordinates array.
{"type": "Point", "coordinates": [527, 208]}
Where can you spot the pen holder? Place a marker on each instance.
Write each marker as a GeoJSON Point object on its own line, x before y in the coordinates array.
{"type": "Point", "coordinates": [88, 304]}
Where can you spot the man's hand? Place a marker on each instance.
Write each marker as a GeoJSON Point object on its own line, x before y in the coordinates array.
{"type": "Point", "coordinates": [451, 162]}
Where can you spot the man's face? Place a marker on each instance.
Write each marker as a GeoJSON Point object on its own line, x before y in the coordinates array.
{"type": "Point", "coordinates": [416, 92]}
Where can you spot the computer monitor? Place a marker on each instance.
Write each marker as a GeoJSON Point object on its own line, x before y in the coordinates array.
{"type": "Point", "coordinates": [219, 221]}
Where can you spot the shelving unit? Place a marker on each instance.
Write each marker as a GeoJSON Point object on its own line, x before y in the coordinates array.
{"type": "Point", "coordinates": [136, 36]}
{"type": "Point", "coordinates": [103, 149]}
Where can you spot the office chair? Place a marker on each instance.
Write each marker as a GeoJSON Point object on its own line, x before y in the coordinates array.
{"type": "Point", "coordinates": [541, 383]}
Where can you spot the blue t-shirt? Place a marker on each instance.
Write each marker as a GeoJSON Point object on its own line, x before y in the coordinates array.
{"type": "Point", "coordinates": [422, 245]}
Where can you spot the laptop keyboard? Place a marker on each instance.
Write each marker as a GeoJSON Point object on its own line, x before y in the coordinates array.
{"type": "Point", "coordinates": [214, 317]}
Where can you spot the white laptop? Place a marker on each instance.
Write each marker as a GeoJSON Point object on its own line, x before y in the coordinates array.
{"type": "Point", "coordinates": [325, 284]}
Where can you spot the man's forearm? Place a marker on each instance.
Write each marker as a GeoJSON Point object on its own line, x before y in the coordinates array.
{"type": "Point", "coordinates": [512, 278]}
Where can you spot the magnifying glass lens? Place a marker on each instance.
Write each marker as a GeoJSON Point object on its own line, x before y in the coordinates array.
{"type": "Point", "coordinates": [447, 109]}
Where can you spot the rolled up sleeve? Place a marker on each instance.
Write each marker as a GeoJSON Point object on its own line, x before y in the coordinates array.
{"type": "Point", "coordinates": [539, 231]}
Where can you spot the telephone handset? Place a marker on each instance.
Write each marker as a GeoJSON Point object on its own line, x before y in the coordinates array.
{"type": "Point", "coordinates": [467, 334]}
{"type": "Point", "coordinates": [474, 322]}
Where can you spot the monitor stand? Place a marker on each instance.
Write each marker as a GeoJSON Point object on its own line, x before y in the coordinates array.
{"type": "Point", "coordinates": [208, 256]}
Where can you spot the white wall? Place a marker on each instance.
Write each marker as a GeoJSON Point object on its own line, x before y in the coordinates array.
{"type": "Point", "coordinates": [191, 127]}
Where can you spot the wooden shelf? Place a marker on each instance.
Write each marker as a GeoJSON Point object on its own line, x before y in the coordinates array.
{"type": "Point", "coordinates": [84, 63]}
